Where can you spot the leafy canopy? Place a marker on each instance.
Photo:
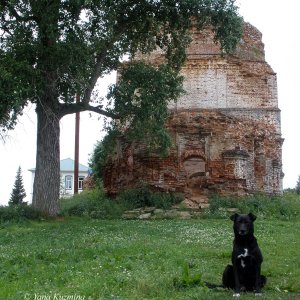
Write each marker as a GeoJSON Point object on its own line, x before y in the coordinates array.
{"type": "Point", "coordinates": [52, 49]}
{"type": "Point", "coordinates": [140, 101]}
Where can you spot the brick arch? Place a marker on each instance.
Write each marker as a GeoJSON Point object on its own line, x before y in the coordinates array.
{"type": "Point", "coordinates": [193, 154]}
{"type": "Point", "coordinates": [194, 166]}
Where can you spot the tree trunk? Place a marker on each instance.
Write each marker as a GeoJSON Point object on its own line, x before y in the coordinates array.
{"type": "Point", "coordinates": [47, 173]}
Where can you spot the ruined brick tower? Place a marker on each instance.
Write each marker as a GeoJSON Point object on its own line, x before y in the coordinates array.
{"type": "Point", "coordinates": [225, 129]}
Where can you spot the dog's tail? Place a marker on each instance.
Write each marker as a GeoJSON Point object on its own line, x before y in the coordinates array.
{"type": "Point", "coordinates": [213, 286]}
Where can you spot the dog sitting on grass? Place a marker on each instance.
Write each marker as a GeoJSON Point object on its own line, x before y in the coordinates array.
{"type": "Point", "coordinates": [244, 273]}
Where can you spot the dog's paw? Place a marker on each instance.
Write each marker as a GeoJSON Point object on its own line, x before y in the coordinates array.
{"type": "Point", "coordinates": [258, 294]}
{"type": "Point", "coordinates": [236, 295]}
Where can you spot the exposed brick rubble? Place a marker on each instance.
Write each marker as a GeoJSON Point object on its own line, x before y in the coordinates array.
{"type": "Point", "coordinates": [225, 129]}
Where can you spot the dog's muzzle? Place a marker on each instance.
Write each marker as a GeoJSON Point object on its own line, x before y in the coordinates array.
{"type": "Point", "coordinates": [243, 232]}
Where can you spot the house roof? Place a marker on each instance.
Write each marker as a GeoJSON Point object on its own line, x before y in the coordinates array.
{"type": "Point", "coordinates": [67, 165]}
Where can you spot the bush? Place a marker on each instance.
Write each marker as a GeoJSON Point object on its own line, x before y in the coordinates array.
{"type": "Point", "coordinates": [91, 203]}
{"type": "Point", "coordinates": [80, 204]}
{"type": "Point", "coordinates": [279, 207]}
{"type": "Point", "coordinates": [17, 213]}
{"type": "Point", "coordinates": [142, 196]}
{"type": "Point", "coordinates": [95, 204]}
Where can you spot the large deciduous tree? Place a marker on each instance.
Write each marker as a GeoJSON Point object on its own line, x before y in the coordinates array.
{"type": "Point", "coordinates": [53, 49]}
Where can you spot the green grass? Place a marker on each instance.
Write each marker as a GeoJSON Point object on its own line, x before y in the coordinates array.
{"type": "Point", "coordinates": [286, 207]}
{"type": "Point", "coordinates": [118, 259]}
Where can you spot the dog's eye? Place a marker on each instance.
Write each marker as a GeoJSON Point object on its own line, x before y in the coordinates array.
{"type": "Point", "coordinates": [243, 222]}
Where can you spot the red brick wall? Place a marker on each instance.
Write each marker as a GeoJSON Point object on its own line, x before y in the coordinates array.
{"type": "Point", "coordinates": [228, 122]}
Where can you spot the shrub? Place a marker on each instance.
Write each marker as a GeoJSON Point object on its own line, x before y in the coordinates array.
{"type": "Point", "coordinates": [279, 207]}
{"type": "Point", "coordinates": [18, 213]}
{"type": "Point", "coordinates": [142, 196]}
{"type": "Point", "coordinates": [95, 204]}
{"type": "Point", "coordinates": [80, 204]}
{"type": "Point", "coordinates": [92, 203]}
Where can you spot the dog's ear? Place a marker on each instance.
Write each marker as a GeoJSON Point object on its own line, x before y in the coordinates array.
{"type": "Point", "coordinates": [233, 217]}
{"type": "Point", "coordinates": [252, 217]}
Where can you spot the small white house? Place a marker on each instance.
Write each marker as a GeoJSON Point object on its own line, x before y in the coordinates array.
{"type": "Point", "coordinates": [67, 177]}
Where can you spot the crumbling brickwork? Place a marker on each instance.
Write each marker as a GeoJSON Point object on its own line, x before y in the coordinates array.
{"type": "Point", "coordinates": [225, 129]}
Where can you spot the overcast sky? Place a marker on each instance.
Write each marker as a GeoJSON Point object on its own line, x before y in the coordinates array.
{"type": "Point", "coordinates": [279, 23]}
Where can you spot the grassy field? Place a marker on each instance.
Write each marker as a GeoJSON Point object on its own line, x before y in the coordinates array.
{"type": "Point", "coordinates": [81, 258]}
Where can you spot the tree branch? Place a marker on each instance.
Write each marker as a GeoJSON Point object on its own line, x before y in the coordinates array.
{"type": "Point", "coordinates": [66, 109]}
{"type": "Point", "coordinates": [94, 77]}
{"type": "Point", "coordinates": [5, 29]}
{"type": "Point", "coordinates": [100, 58]}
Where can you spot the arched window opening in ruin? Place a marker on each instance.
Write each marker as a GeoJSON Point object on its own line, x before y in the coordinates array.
{"type": "Point", "coordinates": [196, 181]}
{"type": "Point", "coordinates": [194, 167]}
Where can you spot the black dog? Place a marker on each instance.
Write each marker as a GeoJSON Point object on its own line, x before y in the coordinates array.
{"type": "Point", "coordinates": [244, 273]}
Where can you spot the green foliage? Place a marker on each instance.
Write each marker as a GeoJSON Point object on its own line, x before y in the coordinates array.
{"type": "Point", "coordinates": [187, 280]}
{"type": "Point", "coordinates": [101, 153]}
{"type": "Point", "coordinates": [13, 89]}
{"type": "Point", "coordinates": [95, 204]}
{"type": "Point", "coordinates": [18, 213]}
{"type": "Point", "coordinates": [91, 203]}
{"type": "Point", "coordinates": [141, 99]}
{"type": "Point", "coordinates": [228, 32]}
{"type": "Point", "coordinates": [278, 207]}
{"type": "Point", "coordinates": [142, 196]}
{"type": "Point", "coordinates": [289, 191]}
{"type": "Point", "coordinates": [298, 186]}
{"type": "Point", "coordinates": [18, 193]}
{"type": "Point", "coordinates": [44, 42]}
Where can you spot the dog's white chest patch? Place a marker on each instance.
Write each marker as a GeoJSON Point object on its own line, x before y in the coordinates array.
{"type": "Point", "coordinates": [243, 256]}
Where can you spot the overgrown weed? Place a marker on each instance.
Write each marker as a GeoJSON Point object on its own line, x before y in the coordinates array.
{"type": "Point", "coordinates": [95, 204]}
{"type": "Point", "coordinates": [284, 207]}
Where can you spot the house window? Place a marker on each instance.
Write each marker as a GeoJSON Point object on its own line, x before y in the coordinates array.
{"type": "Point", "coordinates": [80, 182]}
{"type": "Point", "coordinates": [68, 182]}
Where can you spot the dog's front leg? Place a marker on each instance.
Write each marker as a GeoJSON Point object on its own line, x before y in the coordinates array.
{"type": "Point", "coordinates": [237, 284]}
{"type": "Point", "coordinates": [257, 286]}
